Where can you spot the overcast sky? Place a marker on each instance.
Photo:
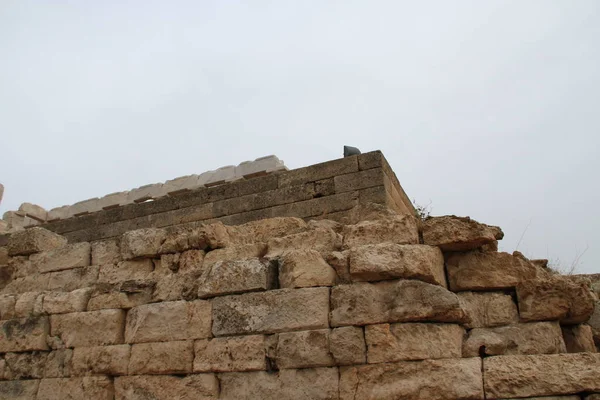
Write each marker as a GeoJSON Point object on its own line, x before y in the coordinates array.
{"type": "Point", "coordinates": [489, 109]}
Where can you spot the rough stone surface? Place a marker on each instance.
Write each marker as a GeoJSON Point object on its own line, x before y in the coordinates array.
{"type": "Point", "coordinates": [58, 364]}
{"type": "Point", "coordinates": [19, 390]}
{"type": "Point", "coordinates": [579, 338]}
{"type": "Point", "coordinates": [33, 240]}
{"type": "Point", "coordinates": [271, 312]}
{"type": "Point", "coordinates": [101, 360]}
{"type": "Point", "coordinates": [304, 268]}
{"type": "Point", "coordinates": [89, 387]}
{"type": "Point", "coordinates": [347, 345]}
{"type": "Point", "coordinates": [489, 309]}
{"type": "Point", "coordinates": [452, 379]}
{"type": "Point", "coordinates": [261, 231]}
{"type": "Point", "coordinates": [400, 229]}
{"type": "Point", "coordinates": [88, 329]}
{"type": "Point", "coordinates": [105, 252]}
{"type": "Point", "coordinates": [413, 341]}
{"type": "Point", "coordinates": [67, 257]}
{"type": "Point", "coordinates": [66, 302]}
{"type": "Point", "coordinates": [71, 279]}
{"type": "Point", "coordinates": [161, 358]}
{"type": "Point", "coordinates": [594, 322]}
{"type": "Point", "coordinates": [528, 338]}
{"type": "Point", "coordinates": [555, 298]}
{"type": "Point", "coordinates": [7, 306]}
{"type": "Point", "coordinates": [392, 261]}
{"type": "Point", "coordinates": [305, 349]}
{"type": "Point", "coordinates": [452, 233]}
{"type": "Point", "coordinates": [26, 334]}
{"type": "Point", "coordinates": [233, 253]}
{"type": "Point", "coordinates": [29, 304]}
{"type": "Point", "coordinates": [24, 365]}
{"type": "Point", "coordinates": [142, 243]}
{"type": "Point", "coordinates": [228, 277]}
{"type": "Point", "coordinates": [321, 240]}
{"type": "Point", "coordinates": [393, 301]}
{"type": "Point", "coordinates": [191, 387]}
{"type": "Point", "coordinates": [243, 353]}
{"type": "Point", "coordinates": [541, 375]}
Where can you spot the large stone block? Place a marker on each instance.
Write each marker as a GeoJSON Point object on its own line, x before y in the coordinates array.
{"type": "Point", "coordinates": [27, 334]}
{"type": "Point", "coordinates": [289, 384]}
{"type": "Point", "coordinates": [452, 379]}
{"type": "Point", "coordinates": [228, 277]}
{"type": "Point", "coordinates": [399, 229]}
{"type": "Point", "coordinates": [66, 302]}
{"type": "Point", "coordinates": [541, 375]}
{"type": "Point", "coordinates": [318, 172]}
{"type": "Point", "coordinates": [261, 231]}
{"type": "Point", "coordinates": [161, 358]}
{"type": "Point", "coordinates": [128, 294]}
{"type": "Point", "coordinates": [142, 243]}
{"type": "Point", "coordinates": [19, 390]}
{"type": "Point", "coordinates": [71, 279]}
{"type": "Point", "coordinates": [7, 306]}
{"type": "Point", "coordinates": [304, 268]}
{"type": "Point", "coordinates": [305, 349]}
{"type": "Point", "coordinates": [168, 321]}
{"type": "Point", "coordinates": [487, 271]}
{"type": "Point", "coordinates": [235, 253]}
{"type": "Point", "coordinates": [228, 354]}
{"type": "Point", "coordinates": [260, 166]}
{"type": "Point", "coordinates": [196, 387]}
{"type": "Point", "coordinates": [29, 304]}
{"type": "Point", "coordinates": [33, 240]}
{"type": "Point", "coordinates": [146, 192]}
{"type": "Point", "coordinates": [24, 365]}
{"type": "Point", "coordinates": [113, 200]}
{"type": "Point", "coordinates": [67, 257]}
{"type": "Point", "coordinates": [347, 345]}
{"type": "Point", "coordinates": [101, 360]}
{"type": "Point", "coordinates": [271, 312]}
{"type": "Point", "coordinates": [88, 329]}
{"type": "Point", "coordinates": [125, 271]}
{"type": "Point", "coordinates": [393, 301]}
{"type": "Point", "coordinates": [89, 388]}
{"type": "Point", "coordinates": [579, 338]}
{"type": "Point", "coordinates": [105, 252]}
{"type": "Point", "coordinates": [413, 341]}
{"type": "Point", "coordinates": [528, 338]}
{"type": "Point", "coordinates": [452, 233]}
{"type": "Point", "coordinates": [321, 240]}
{"type": "Point", "coordinates": [58, 213]}
{"type": "Point", "coordinates": [488, 309]}
{"type": "Point", "coordinates": [58, 364]}
{"type": "Point", "coordinates": [392, 261]}
{"type": "Point", "coordinates": [34, 211]}
{"type": "Point", "coordinates": [555, 298]}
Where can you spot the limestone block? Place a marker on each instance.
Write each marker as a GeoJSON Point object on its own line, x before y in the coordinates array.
{"type": "Point", "coordinates": [3, 226]}
{"type": "Point", "coordinates": [227, 277]}
{"type": "Point", "coordinates": [182, 184]}
{"type": "Point", "coordinates": [305, 349]}
{"type": "Point", "coordinates": [31, 283]}
{"type": "Point", "coordinates": [168, 321]}
{"type": "Point", "coordinates": [196, 387]}
{"type": "Point", "coordinates": [161, 358]}
{"type": "Point", "coordinates": [67, 257]}
{"type": "Point", "coordinates": [392, 261]}
{"type": "Point", "coordinates": [241, 353]}
{"type": "Point", "coordinates": [594, 322]}
{"type": "Point", "coordinates": [527, 338]}
{"type": "Point", "coordinates": [19, 390]}
{"type": "Point", "coordinates": [88, 329]}
{"type": "Point", "coordinates": [29, 304]}
{"type": "Point", "coordinates": [24, 365]}
{"type": "Point", "coordinates": [203, 237]}
{"type": "Point", "coordinates": [191, 260]}
{"type": "Point", "coordinates": [487, 271]}
{"type": "Point", "coordinates": [451, 379]}
{"type": "Point", "coordinates": [66, 302]}
{"type": "Point", "coordinates": [321, 240]}
{"type": "Point", "coordinates": [289, 384]}
{"type": "Point", "coordinates": [488, 309]}
{"type": "Point", "coordinates": [347, 345]}
{"type": "Point", "coordinates": [58, 364]}
{"type": "Point", "coordinates": [113, 200]}
{"type": "Point", "coordinates": [129, 294]}
{"type": "Point", "coordinates": [400, 229]}
{"type": "Point", "coordinates": [15, 221]}
{"type": "Point", "coordinates": [235, 253]}
{"type": "Point", "coordinates": [142, 243]}
{"type": "Point", "coordinates": [88, 387]}
{"type": "Point", "coordinates": [393, 301]}
{"type": "Point", "coordinates": [125, 270]}
{"type": "Point", "coordinates": [340, 263]}
{"type": "Point", "coordinates": [26, 334]}
{"type": "Point", "coordinates": [29, 222]}
{"type": "Point", "coordinates": [452, 233]}
{"type": "Point", "coordinates": [413, 341]}
{"type": "Point", "coordinates": [146, 192]}
{"type": "Point", "coordinates": [304, 268]}
{"type": "Point", "coordinates": [33, 240]}
{"type": "Point", "coordinates": [84, 207]}
{"type": "Point", "coordinates": [101, 360]}
{"type": "Point", "coordinates": [541, 375]}
{"type": "Point", "coordinates": [219, 176]}
{"type": "Point", "coordinates": [262, 230]}
{"type": "Point", "coordinates": [555, 298]}
{"type": "Point", "coordinates": [72, 279]}
{"type": "Point", "coordinates": [260, 166]}
{"type": "Point", "coordinates": [7, 306]}
{"type": "Point", "coordinates": [105, 252]}
{"type": "Point", "coordinates": [579, 338]}
{"type": "Point", "coordinates": [34, 211]}
{"type": "Point", "coordinates": [57, 213]}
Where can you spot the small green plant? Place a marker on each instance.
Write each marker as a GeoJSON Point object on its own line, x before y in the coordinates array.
{"type": "Point", "coordinates": [423, 212]}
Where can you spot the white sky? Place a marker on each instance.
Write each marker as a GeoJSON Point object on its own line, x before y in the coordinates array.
{"type": "Point", "coordinates": [485, 108]}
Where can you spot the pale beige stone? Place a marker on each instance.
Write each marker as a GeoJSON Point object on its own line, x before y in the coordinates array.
{"type": "Point", "coordinates": [161, 358]}
{"type": "Point", "coordinates": [4, 228]}
{"type": "Point", "coordinates": [7, 306]}
{"type": "Point", "coordinates": [142, 243]}
{"type": "Point", "coordinates": [271, 312]}
{"type": "Point", "coordinates": [169, 321]}
{"type": "Point", "coordinates": [304, 268]}
{"type": "Point", "coordinates": [289, 384]}
{"type": "Point", "coordinates": [24, 365]}
{"type": "Point", "coordinates": [146, 192]}
{"type": "Point", "coordinates": [66, 302]}
{"type": "Point", "coordinates": [29, 304]}
{"type": "Point", "coordinates": [71, 279]}
{"type": "Point", "coordinates": [382, 261]}
{"type": "Point", "coordinates": [22, 266]}
{"type": "Point", "coordinates": [400, 229]}
{"type": "Point", "coordinates": [33, 240]}
{"type": "Point", "coordinates": [452, 233]}
{"type": "Point", "coordinates": [579, 338]}
{"type": "Point", "coordinates": [321, 240]}
{"type": "Point", "coordinates": [105, 252]}
{"type": "Point", "coordinates": [488, 309]}
{"type": "Point", "coordinates": [26, 334]}
{"type": "Point", "coordinates": [202, 237]}
{"type": "Point", "coordinates": [58, 213]}
{"type": "Point", "coordinates": [101, 360]}
{"type": "Point", "coordinates": [88, 329]}
{"type": "Point", "coordinates": [393, 301]}
{"type": "Point", "coordinates": [305, 349]}
{"type": "Point", "coordinates": [235, 252]}
{"type": "Point", "coordinates": [128, 294]}
{"type": "Point", "coordinates": [242, 353]}
{"type": "Point", "coordinates": [541, 375]}
{"type": "Point", "coordinates": [450, 379]}
{"type": "Point", "coordinates": [190, 387]}
{"type": "Point", "coordinates": [527, 338]}
{"type": "Point", "coordinates": [413, 341]}
{"type": "Point", "coordinates": [191, 260]}
{"type": "Point", "coordinates": [228, 277]}
{"type": "Point", "coordinates": [19, 390]}
{"type": "Point", "coordinates": [260, 231]}
{"type": "Point", "coordinates": [34, 211]}
{"type": "Point", "coordinates": [347, 345]}
{"type": "Point", "coordinates": [58, 364]}
{"type": "Point", "coordinates": [66, 257]}
{"type": "Point", "coordinates": [555, 298]}
{"type": "Point", "coordinates": [488, 271]}
{"type": "Point", "coordinates": [125, 270]}
{"type": "Point", "coordinates": [31, 283]}
{"type": "Point", "coordinates": [340, 263]}
{"type": "Point", "coordinates": [88, 388]}
{"type": "Point", "coordinates": [3, 254]}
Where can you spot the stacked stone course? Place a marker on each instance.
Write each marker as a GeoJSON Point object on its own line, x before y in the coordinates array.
{"type": "Point", "coordinates": [377, 305]}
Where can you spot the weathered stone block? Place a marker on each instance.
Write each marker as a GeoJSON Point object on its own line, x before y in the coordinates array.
{"type": "Point", "coordinates": [7, 306]}
{"type": "Point", "coordinates": [88, 329]}
{"type": "Point", "coordinates": [260, 231]}
{"type": "Point", "coordinates": [161, 358]}
{"type": "Point", "coordinates": [33, 240]}
{"type": "Point", "coordinates": [105, 252]}
{"type": "Point", "coordinates": [89, 387]}
{"type": "Point", "coordinates": [58, 364]}
{"type": "Point", "coordinates": [321, 240]}
{"type": "Point", "coordinates": [71, 279]}
{"type": "Point", "coordinates": [219, 176]}
{"type": "Point", "coordinates": [29, 304]}
{"type": "Point", "coordinates": [235, 253]}
{"type": "Point", "coordinates": [113, 200]}
{"type": "Point", "coordinates": [260, 166]}
{"type": "Point", "coordinates": [27, 334]}
{"type": "Point", "coordinates": [271, 312]}
{"type": "Point", "coordinates": [399, 229]}
{"type": "Point", "coordinates": [541, 375]}
{"type": "Point", "coordinates": [83, 207]}
{"type": "Point", "coordinates": [488, 309]}
{"type": "Point", "coordinates": [125, 270]}
{"type": "Point", "coordinates": [197, 387]}
{"type": "Point", "coordinates": [34, 211]}
{"type": "Point", "coordinates": [169, 321]}
{"type": "Point", "coordinates": [347, 345]}
{"type": "Point", "coordinates": [142, 243]}
{"type": "Point", "coordinates": [289, 384]}
{"type": "Point", "coordinates": [392, 261]}
{"type": "Point", "coordinates": [146, 192]}
{"type": "Point", "coordinates": [227, 277]}
{"type": "Point", "coordinates": [127, 295]}
{"type": "Point", "coordinates": [555, 298]}
{"type": "Point", "coordinates": [66, 302]}
{"type": "Point", "coordinates": [58, 213]}
{"type": "Point", "coordinates": [306, 349]}
{"type": "Point", "coordinates": [452, 379]}
{"type": "Point", "coordinates": [579, 338]}
{"type": "Point", "coordinates": [101, 360]}
{"type": "Point", "coordinates": [243, 353]}
{"type": "Point", "coordinates": [452, 233]}
{"type": "Point", "coordinates": [528, 338]}
{"type": "Point", "coordinates": [182, 184]}
{"type": "Point", "coordinates": [398, 342]}
{"type": "Point", "coordinates": [19, 390]}
{"type": "Point", "coordinates": [24, 365]}
{"type": "Point", "coordinates": [304, 268]}
{"type": "Point", "coordinates": [67, 257]}
{"type": "Point", "coordinates": [393, 301]}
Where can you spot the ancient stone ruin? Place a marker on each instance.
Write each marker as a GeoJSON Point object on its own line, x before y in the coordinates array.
{"type": "Point", "coordinates": [315, 283]}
